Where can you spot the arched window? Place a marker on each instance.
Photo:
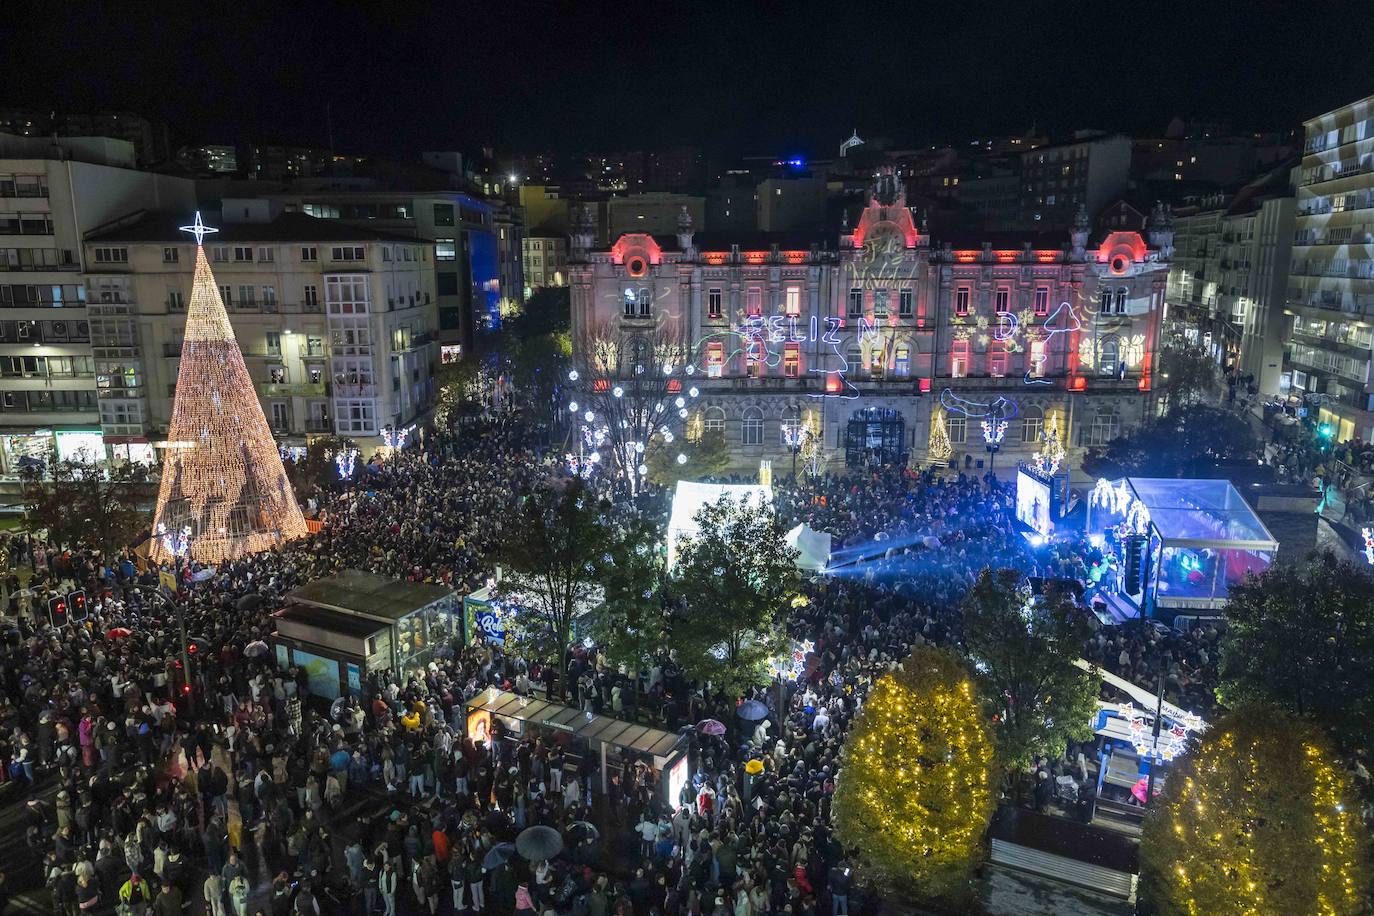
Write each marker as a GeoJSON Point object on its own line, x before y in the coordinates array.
{"type": "Point", "coordinates": [646, 299]}
{"type": "Point", "coordinates": [1121, 294]}
{"type": "Point", "coordinates": [630, 298]}
{"type": "Point", "coordinates": [639, 355]}
{"type": "Point", "coordinates": [1032, 424]}
{"type": "Point", "coordinates": [1105, 426]}
{"type": "Point", "coordinates": [1108, 356]}
{"type": "Point", "coordinates": [877, 359]}
{"type": "Point", "coordinates": [751, 427]}
{"type": "Point", "coordinates": [1104, 302]}
{"type": "Point", "coordinates": [713, 420]}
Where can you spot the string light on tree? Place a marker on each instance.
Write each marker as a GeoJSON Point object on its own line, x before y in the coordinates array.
{"type": "Point", "coordinates": [916, 790]}
{"type": "Point", "coordinates": [223, 477]}
{"type": "Point", "coordinates": [940, 449]}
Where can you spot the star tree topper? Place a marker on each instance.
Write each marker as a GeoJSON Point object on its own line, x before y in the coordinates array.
{"type": "Point", "coordinates": [198, 229]}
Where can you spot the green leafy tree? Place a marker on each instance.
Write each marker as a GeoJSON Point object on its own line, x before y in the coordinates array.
{"type": "Point", "coordinates": [1301, 636]}
{"type": "Point", "coordinates": [709, 456]}
{"type": "Point", "coordinates": [556, 545]}
{"type": "Point", "coordinates": [80, 503]}
{"type": "Point", "coordinates": [915, 790]}
{"type": "Point", "coordinates": [1258, 818]}
{"type": "Point", "coordinates": [317, 470]}
{"type": "Point", "coordinates": [733, 583]}
{"type": "Point", "coordinates": [548, 310]}
{"type": "Point", "coordinates": [539, 368]}
{"type": "Point", "coordinates": [1187, 375]}
{"type": "Point", "coordinates": [631, 627]}
{"type": "Point", "coordinates": [1024, 654]}
{"type": "Point", "coordinates": [1182, 443]}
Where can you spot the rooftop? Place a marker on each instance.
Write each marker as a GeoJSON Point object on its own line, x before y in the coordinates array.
{"type": "Point", "coordinates": [362, 594]}
{"type": "Point", "coordinates": [161, 227]}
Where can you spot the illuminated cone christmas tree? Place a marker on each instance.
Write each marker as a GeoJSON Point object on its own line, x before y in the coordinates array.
{"type": "Point", "coordinates": [223, 484]}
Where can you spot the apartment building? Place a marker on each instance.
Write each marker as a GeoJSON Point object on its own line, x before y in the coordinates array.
{"type": "Point", "coordinates": [546, 262]}
{"type": "Point", "coordinates": [1331, 288]}
{"type": "Point", "coordinates": [1056, 180]}
{"type": "Point", "coordinates": [336, 322]}
{"type": "Point", "coordinates": [52, 192]}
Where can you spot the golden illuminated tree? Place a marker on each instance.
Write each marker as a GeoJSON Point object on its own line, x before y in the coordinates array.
{"type": "Point", "coordinates": [915, 792]}
{"type": "Point", "coordinates": [940, 449]}
{"type": "Point", "coordinates": [1259, 818]}
{"type": "Point", "coordinates": [223, 483]}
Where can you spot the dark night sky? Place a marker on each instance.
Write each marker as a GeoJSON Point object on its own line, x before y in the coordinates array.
{"type": "Point", "coordinates": [730, 77]}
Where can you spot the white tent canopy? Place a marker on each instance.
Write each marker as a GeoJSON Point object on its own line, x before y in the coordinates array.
{"type": "Point", "coordinates": [690, 497]}
{"type": "Point", "coordinates": [812, 546]}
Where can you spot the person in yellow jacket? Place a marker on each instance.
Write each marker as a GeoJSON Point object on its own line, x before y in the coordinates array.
{"type": "Point", "coordinates": [134, 896]}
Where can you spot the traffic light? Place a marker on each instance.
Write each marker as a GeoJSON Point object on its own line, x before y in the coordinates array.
{"type": "Point", "coordinates": [76, 601]}
{"type": "Point", "coordinates": [1133, 577]}
{"type": "Point", "coordinates": [57, 611]}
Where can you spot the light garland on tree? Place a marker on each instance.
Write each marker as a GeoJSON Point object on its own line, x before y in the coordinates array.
{"type": "Point", "coordinates": [222, 477]}
{"type": "Point", "coordinates": [1051, 455]}
{"type": "Point", "coordinates": [1259, 819]}
{"type": "Point", "coordinates": [915, 792]}
{"type": "Point", "coordinates": [625, 412]}
{"type": "Point", "coordinates": [940, 449]}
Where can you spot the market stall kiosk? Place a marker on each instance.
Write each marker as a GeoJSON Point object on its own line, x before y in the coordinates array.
{"type": "Point", "coordinates": [618, 743]}
{"type": "Point", "coordinates": [343, 627]}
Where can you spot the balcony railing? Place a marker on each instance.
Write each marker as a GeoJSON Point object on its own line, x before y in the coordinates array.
{"type": "Point", "coordinates": [292, 390]}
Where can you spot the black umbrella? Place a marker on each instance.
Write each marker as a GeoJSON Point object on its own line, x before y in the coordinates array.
{"type": "Point", "coordinates": [538, 843]}
{"type": "Point", "coordinates": [249, 602]}
{"type": "Point", "coordinates": [752, 711]}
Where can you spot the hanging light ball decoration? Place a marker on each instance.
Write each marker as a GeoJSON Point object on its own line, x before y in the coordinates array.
{"type": "Point", "coordinates": [643, 406]}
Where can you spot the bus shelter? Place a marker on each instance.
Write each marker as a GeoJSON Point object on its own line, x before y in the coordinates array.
{"type": "Point", "coordinates": [619, 744]}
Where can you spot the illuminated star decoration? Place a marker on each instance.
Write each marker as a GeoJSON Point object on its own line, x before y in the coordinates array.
{"type": "Point", "coordinates": [198, 229]}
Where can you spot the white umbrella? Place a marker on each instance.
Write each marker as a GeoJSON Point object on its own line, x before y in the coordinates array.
{"type": "Point", "coordinates": [255, 648]}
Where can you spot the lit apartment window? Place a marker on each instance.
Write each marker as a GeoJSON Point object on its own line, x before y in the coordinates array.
{"type": "Point", "coordinates": [1037, 358]}
{"type": "Point", "coordinates": [997, 358]}
{"type": "Point", "coordinates": [901, 362]}
{"type": "Point", "coordinates": [791, 360]}
{"type": "Point", "coordinates": [715, 359]}
{"type": "Point", "coordinates": [958, 359]}
{"type": "Point", "coordinates": [793, 301]}
{"type": "Point", "coordinates": [445, 250]}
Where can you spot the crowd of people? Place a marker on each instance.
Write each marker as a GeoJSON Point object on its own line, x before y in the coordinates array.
{"type": "Point", "coordinates": [143, 787]}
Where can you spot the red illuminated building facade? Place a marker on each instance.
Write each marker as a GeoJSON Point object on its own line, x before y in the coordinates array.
{"type": "Point", "coordinates": [862, 339]}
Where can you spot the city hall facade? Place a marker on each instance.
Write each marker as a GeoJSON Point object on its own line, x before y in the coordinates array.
{"type": "Point", "coordinates": [865, 339]}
